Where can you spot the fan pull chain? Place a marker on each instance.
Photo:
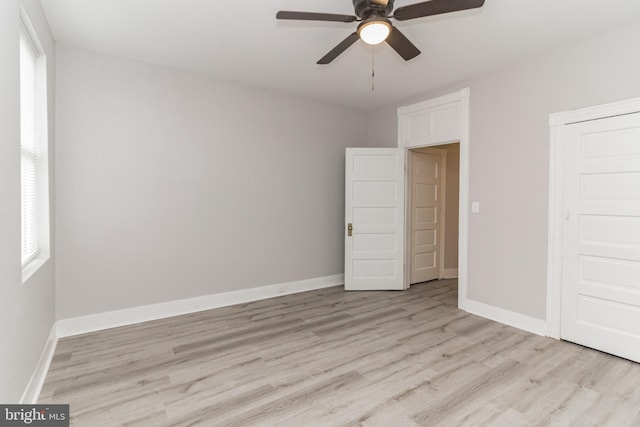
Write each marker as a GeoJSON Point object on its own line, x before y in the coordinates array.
{"type": "Point", "coordinates": [373, 68]}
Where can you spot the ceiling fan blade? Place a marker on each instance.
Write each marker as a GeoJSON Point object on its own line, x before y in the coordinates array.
{"type": "Point", "coordinates": [342, 46]}
{"type": "Point", "coordinates": [402, 45]}
{"type": "Point", "coordinates": [434, 7]}
{"type": "Point", "coordinates": [311, 16]}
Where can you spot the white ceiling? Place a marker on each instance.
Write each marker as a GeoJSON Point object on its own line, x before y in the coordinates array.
{"type": "Point", "coordinates": [241, 40]}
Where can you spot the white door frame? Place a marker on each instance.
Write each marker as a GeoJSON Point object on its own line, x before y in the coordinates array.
{"type": "Point", "coordinates": [557, 121]}
{"type": "Point", "coordinates": [439, 121]}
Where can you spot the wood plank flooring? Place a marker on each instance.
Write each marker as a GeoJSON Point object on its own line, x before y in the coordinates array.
{"type": "Point", "coordinates": [335, 358]}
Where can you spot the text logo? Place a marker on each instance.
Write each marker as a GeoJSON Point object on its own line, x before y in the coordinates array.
{"type": "Point", "coordinates": [34, 415]}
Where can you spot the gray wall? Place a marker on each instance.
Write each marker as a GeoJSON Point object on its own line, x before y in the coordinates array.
{"type": "Point", "coordinates": [26, 310]}
{"type": "Point", "coordinates": [509, 137]}
{"type": "Point", "coordinates": [173, 185]}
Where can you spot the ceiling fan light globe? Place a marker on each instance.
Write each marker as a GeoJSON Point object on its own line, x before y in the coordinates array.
{"type": "Point", "coordinates": [374, 32]}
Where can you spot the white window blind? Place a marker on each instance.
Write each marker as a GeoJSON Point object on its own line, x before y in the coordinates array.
{"type": "Point", "coordinates": [29, 143]}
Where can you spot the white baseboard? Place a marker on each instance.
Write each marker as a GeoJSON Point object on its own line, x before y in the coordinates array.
{"type": "Point", "coordinates": [450, 273]}
{"type": "Point", "coordinates": [32, 392]}
{"type": "Point", "coordinates": [511, 318]}
{"type": "Point", "coordinates": [129, 316]}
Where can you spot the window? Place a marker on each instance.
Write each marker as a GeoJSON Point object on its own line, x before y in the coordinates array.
{"type": "Point", "coordinates": [33, 147]}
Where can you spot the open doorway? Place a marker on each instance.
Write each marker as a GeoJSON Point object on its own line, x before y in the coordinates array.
{"type": "Point", "coordinates": [433, 212]}
{"type": "Point", "coordinates": [376, 183]}
{"type": "Point", "coordinates": [432, 123]}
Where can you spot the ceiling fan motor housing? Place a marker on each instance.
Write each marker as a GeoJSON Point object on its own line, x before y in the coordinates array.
{"type": "Point", "coordinates": [367, 8]}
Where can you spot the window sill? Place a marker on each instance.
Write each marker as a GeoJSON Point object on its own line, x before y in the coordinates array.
{"type": "Point", "coordinates": [33, 266]}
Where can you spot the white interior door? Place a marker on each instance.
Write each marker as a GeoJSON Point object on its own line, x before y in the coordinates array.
{"type": "Point", "coordinates": [601, 235]}
{"type": "Point", "coordinates": [374, 219]}
{"type": "Point", "coordinates": [426, 215]}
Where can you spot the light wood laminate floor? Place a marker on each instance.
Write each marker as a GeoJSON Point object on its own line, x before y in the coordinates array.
{"type": "Point", "coordinates": [333, 358]}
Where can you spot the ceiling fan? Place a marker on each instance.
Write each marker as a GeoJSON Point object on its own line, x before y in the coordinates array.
{"type": "Point", "coordinates": [375, 25]}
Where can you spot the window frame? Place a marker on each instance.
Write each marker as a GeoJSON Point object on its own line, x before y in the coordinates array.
{"type": "Point", "coordinates": [36, 152]}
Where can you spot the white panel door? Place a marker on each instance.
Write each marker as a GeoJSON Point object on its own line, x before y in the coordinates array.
{"type": "Point", "coordinates": [601, 235]}
{"type": "Point", "coordinates": [374, 219]}
{"type": "Point", "coordinates": [426, 213]}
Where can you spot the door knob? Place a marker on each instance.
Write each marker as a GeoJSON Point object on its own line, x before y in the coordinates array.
{"type": "Point", "coordinates": [349, 229]}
